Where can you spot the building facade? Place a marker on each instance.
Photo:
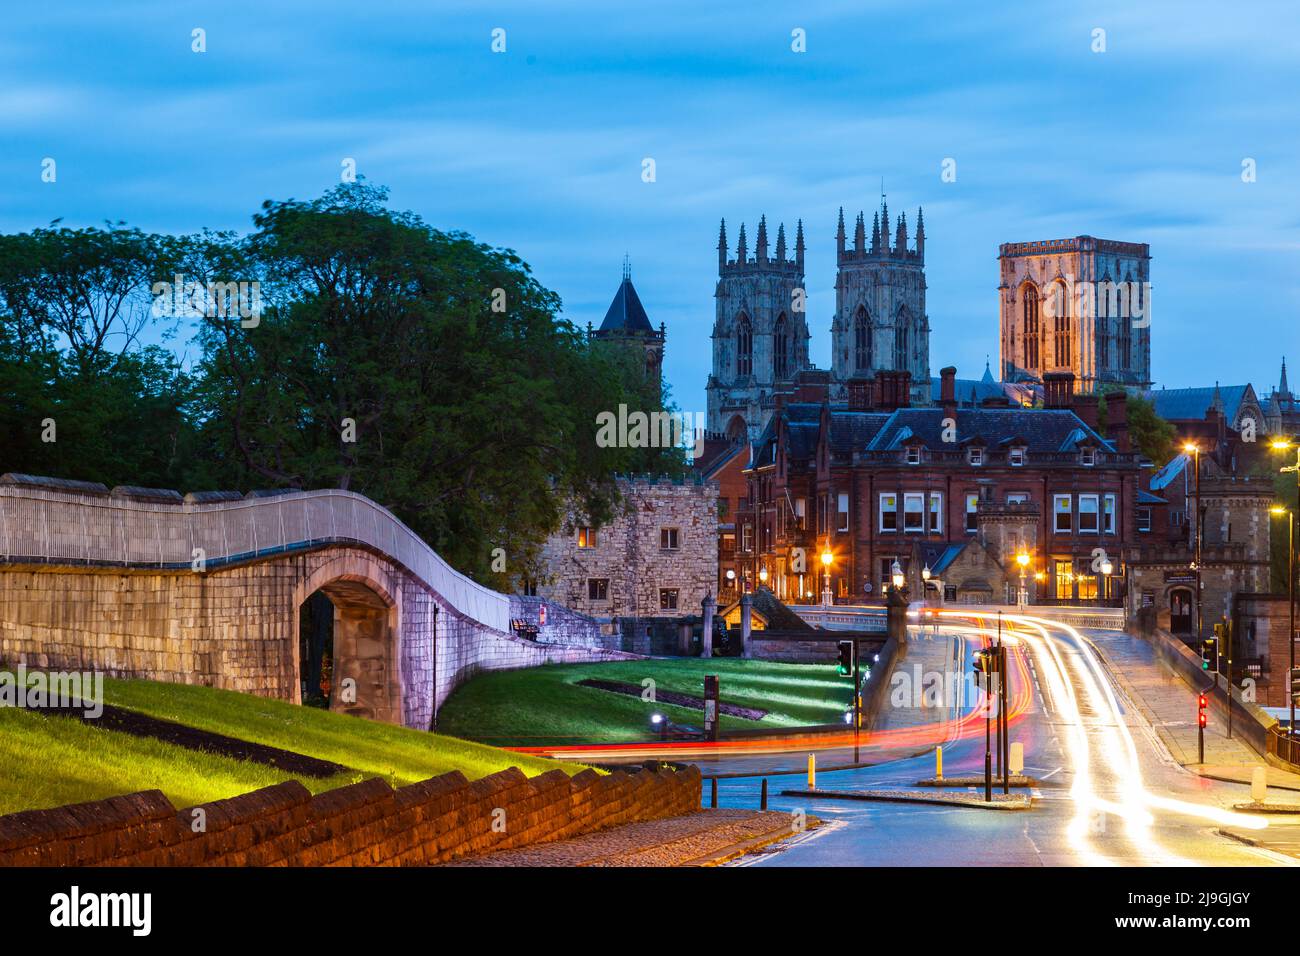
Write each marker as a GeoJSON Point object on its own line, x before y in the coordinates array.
{"type": "Point", "coordinates": [657, 558]}
{"type": "Point", "coordinates": [1080, 305]}
{"type": "Point", "coordinates": [873, 481]}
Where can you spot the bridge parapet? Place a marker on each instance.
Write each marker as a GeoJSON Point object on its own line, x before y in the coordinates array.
{"type": "Point", "coordinates": [48, 522]}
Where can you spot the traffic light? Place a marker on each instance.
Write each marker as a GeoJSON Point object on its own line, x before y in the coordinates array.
{"type": "Point", "coordinates": [1201, 703]}
{"type": "Point", "coordinates": [1210, 652]}
{"type": "Point", "coordinates": [846, 658]}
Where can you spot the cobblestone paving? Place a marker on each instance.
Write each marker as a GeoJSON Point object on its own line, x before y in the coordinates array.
{"type": "Point", "coordinates": [671, 842]}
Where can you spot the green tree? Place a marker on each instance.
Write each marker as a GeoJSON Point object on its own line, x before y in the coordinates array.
{"type": "Point", "coordinates": [1151, 435]}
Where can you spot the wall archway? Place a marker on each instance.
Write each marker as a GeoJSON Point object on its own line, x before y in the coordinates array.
{"type": "Point", "coordinates": [362, 640]}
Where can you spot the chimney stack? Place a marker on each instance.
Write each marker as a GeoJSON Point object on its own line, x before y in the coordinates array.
{"type": "Point", "coordinates": [1058, 389]}
{"type": "Point", "coordinates": [1086, 407]}
{"type": "Point", "coordinates": [948, 391]}
{"type": "Point", "coordinates": [1117, 420]}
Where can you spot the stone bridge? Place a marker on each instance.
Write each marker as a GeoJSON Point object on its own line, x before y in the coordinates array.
{"type": "Point", "coordinates": [266, 593]}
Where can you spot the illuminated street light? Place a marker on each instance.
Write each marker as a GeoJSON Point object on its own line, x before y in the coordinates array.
{"type": "Point", "coordinates": [1279, 511]}
{"type": "Point", "coordinates": [1022, 559]}
{"type": "Point", "coordinates": [762, 575]}
{"type": "Point", "coordinates": [896, 574]}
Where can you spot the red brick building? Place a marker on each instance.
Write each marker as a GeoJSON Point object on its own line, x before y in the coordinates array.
{"type": "Point", "coordinates": [874, 481]}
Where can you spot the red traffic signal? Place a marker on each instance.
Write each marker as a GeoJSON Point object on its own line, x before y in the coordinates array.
{"type": "Point", "coordinates": [1201, 703]}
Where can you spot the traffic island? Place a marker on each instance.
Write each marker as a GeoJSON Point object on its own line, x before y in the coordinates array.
{"type": "Point", "coordinates": [1015, 780]}
{"type": "Point", "coordinates": [1001, 801]}
{"type": "Point", "coordinates": [1267, 807]}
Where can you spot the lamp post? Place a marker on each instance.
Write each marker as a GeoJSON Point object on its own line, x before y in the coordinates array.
{"type": "Point", "coordinates": [1195, 451]}
{"type": "Point", "coordinates": [763, 576]}
{"type": "Point", "coordinates": [1022, 559]}
{"type": "Point", "coordinates": [1290, 596]}
{"type": "Point", "coordinates": [1107, 569]}
{"type": "Point", "coordinates": [1285, 444]}
{"type": "Point", "coordinates": [827, 558]}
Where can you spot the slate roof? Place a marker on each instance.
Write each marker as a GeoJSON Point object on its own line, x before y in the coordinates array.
{"type": "Point", "coordinates": [1192, 403]}
{"type": "Point", "coordinates": [1044, 430]}
{"type": "Point", "coordinates": [851, 431]}
{"type": "Point", "coordinates": [1163, 477]}
{"type": "Point", "coordinates": [1147, 498]}
{"type": "Point", "coordinates": [626, 313]}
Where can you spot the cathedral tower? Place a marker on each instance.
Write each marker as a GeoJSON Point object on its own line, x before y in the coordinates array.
{"type": "Point", "coordinates": [760, 332]}
{"type": "Point", "coordinates": [1080, 305]}
{"type": "Point", "coordinates": [880, 321]}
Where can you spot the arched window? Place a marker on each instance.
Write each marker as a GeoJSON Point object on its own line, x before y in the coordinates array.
{"type": "Point", "coordinates": [744, 346]}
{"type": "Point", "coordinates": [901, 325]}
{"type": "Point", "coordinates": [1061, 326]}
{"type": "Point", "coordinates": [863, 343]}
{"type": "Point", "coordinates": [781, 349]}
{"type": "Point", "coordinates": [1029, 311]}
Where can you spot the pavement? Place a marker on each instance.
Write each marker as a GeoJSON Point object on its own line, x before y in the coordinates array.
{"type": "Point", "coordinates": [703, 838]}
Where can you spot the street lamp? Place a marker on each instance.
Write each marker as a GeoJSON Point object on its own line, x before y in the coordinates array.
{"type": "Point", "coordinates": [1290, 597]}
{"type": "Point", "coordinates": [1022, 559]}
{"type": "Point", "coordinates": [762, 575]}
{"type": "Point", "coordinates": [1106, 570]}
{"type": "Point", "coordinates": [1194, 450]}
{"type": "Point", "coordinates": [897, 576]}
{"type": "Point", "coordinates": [827, 558]}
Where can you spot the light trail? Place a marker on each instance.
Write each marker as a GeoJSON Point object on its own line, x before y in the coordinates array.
{"type": "Point", "coordinates": [1108, 732]}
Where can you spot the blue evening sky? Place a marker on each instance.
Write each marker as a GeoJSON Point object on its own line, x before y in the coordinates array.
{"type": "Point", "coordinates": [540, 148]}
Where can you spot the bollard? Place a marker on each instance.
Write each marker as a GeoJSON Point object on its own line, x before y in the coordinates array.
{"type": "Point", "coordinates": [713, 793]}
{"type": "Point", "coordinates": [762, 798]}
{"type": "Point", "coordinates": [938, 764]}
{"type": "Point", "coordinates": [1017, 760]}
{"type": "Point", "coordinates": [812, 771]}
{"type": "Point", "coordinates": [1259, 785]}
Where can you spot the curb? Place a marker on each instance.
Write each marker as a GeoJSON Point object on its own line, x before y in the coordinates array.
{"type": "Point", "coordinates": [745, 847]}
{"type": "Point", "coordinates": [1266, 808]}
{"type": "Point", "coordinates": [1020, 802]}
{"type": "Point", "coordinates": [1293, 788]}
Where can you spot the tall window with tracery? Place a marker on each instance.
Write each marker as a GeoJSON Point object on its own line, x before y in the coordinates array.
{"type": "Point", "coordinates": [862, 340]}
{"type": "Point", "coordinates": [744, 346]}
{"type": "Point", "coordinates": [781, 349]}
{"type": "Point", "coordinates": [1029, 307]}
{"type": "Point", "coordinates": [1061, 326]}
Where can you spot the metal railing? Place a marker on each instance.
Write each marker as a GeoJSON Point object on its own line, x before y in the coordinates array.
{"type": "Point", "coordinates": [47, 526]}
{"type": "Point", "coordinates": [1284, 747]}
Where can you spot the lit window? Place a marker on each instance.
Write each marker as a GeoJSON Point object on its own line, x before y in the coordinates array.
{"type": "Point", "coordinates": [972, 510]}
{"type": "Point", "coordinates": [1062, 509]}
{"type": "Point", "coordinates": [586, 537]}
{"type": "Point", "coordinates": [889, 512]}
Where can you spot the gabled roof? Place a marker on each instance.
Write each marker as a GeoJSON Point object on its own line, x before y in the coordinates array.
{"type": "Point", "coordinates": [1044, 430]}
{"type": "Point", "coordinates": [626, 314]}
{"type": "Point", "coordinates": [722, 460]}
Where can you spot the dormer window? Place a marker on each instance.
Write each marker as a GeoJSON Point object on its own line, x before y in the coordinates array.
{"type": "Point", "coordinates": [975, 456]}
{"type": "Point", "coordinates": [914, 455]}
{"type": "Point", "coordinates": [1016, 457]}
{"type": "Point", "coordinates": [1088, 457]}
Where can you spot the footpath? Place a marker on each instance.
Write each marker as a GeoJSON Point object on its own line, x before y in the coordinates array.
{"type": "Point", "coordinates": [703, 838]}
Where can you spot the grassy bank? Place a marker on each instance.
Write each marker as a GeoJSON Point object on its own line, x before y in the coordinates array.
{"type": "Point", "coordinates": [47, 761]}
{"type": "Point", "coordinates": [545, 705]}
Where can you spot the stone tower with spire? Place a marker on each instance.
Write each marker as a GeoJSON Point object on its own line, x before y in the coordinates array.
{"type": "Point", "coordinates": [880, 320]}
{"type": "Point", "coordinates": [760, 331]}
{"type": "Point", "coordinates": [627, 325]}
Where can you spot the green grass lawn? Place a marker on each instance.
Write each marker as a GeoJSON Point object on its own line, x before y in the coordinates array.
{"type": "Point", "coordinates": [47, 761]}
{"type": "Point", "coordinates": [544, 705]}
